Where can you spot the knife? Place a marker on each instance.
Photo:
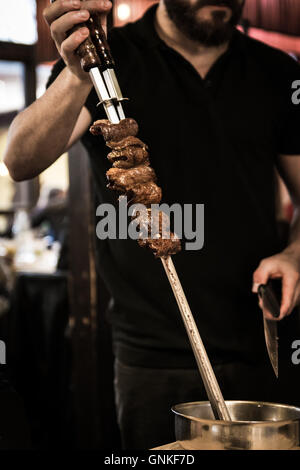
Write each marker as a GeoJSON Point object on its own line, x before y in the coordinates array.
{"type": "Point", "coordinates": [270, 295]}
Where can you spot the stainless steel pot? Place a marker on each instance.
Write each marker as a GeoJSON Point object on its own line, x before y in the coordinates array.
{"type": "Point", "coordinates": [254, 426]}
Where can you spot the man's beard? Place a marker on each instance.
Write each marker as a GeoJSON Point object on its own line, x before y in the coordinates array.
{"type": "Point", "coordinates": [212, 32]}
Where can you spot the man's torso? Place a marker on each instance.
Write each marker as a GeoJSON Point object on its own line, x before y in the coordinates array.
{"type": "Point", "coordinates": [212, 141]}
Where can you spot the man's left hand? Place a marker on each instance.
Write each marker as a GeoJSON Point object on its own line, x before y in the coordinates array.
{"type": "Point", "coordinates": [285, 265]}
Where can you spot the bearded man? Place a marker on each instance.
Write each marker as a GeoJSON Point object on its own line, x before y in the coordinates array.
{"type": "Point", "coordinates": [215, 108]}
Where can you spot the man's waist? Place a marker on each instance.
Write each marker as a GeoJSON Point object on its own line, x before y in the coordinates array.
{"type": "Point", "coordinates": [174, 359]}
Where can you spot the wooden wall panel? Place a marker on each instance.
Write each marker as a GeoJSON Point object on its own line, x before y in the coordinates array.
{"type": "Point", "coordinates": [46, 50]}
{"type": "Point", "coordinates": [92, 361]}
{"type": "Point", "coordinates": [274, 15]}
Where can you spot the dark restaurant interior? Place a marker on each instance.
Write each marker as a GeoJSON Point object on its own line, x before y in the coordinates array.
{"type": "Point", "coordinates": [56, 354]}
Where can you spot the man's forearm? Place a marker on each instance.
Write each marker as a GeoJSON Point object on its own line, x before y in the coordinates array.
{"type": "Point", "coordinates": [294, 241]}
{"type": "Point", "coordinates": [40, 133]}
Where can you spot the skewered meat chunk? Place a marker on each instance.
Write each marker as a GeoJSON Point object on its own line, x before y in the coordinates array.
{"type": "Point", "coordinates": [155, 233]}
{"type": "Point", "coordinates": [132, 175]}
{"type": "Point", "coordinates": [162, 248]}
{"type": "Point", "coordinates": [126, 127]}
{"type": "Point", "coordinates": [128, 152]}
{"type": "Point", "coordinates": [153, 223]}
{"type": "Point", "coordinates": [123, 180]}
{"type": "Point", "coordinates": [128, 158]}
{"type": "Point", "coordinates": [145, 193]}
{"type": "Point", "coordinates": [128, 141]}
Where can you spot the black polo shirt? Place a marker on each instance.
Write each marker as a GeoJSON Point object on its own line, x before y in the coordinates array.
{"type": "Point", "coordinates": [212, 141]}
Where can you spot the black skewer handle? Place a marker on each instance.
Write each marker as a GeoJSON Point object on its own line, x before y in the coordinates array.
{"type": "Point", "coordinates": [99, 39]}
{"type": "Point", "coordinates": [87, 51]}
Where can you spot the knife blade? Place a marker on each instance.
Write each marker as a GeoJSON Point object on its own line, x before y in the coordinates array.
{"type": "Point", "coordinates": [270, 296]}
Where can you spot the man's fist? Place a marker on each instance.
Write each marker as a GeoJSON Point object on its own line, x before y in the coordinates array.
{"type": "Point", "coordinates": [63, 15]}
{"type": "Point", "coordinates": [285, 266]}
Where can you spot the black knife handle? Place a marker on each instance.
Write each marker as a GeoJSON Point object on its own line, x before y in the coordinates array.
{"type": "Point", "coordinates": [270, 294]}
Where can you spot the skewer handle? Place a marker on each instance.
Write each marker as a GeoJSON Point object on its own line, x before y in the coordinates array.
{"type": "Point", "coordinates": [94, 50]}
{"type": "Point", "coordinates": [206, 371]}
{"type": "Point", "coordinates": [87, 52]}
{"type": "Point", "coordinates": [99, 39]}
{"type": "Point", "coordinates": [97, 54]}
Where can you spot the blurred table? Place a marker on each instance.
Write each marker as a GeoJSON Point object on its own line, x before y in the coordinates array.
{"type": "Point", "coordinates": [39, 354]}
{"type": "Point", "coordinates": [32, 256]}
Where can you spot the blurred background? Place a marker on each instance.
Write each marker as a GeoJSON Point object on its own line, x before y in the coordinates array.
{"type": "Point", "coordinates": [52, 304]}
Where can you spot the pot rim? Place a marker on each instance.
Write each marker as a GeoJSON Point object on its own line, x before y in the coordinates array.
{"type": "Point", "coordinates": [239, 423]}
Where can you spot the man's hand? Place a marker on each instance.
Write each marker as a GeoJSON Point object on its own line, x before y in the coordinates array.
{"type": "Point", "coordinates": [61, 16]}
{"type": "Point", "coordinates": [285, 265]}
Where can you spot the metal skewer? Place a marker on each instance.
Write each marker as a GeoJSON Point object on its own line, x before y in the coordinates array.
{"type": "Point", "coordinates": [209, 379]}
{"type": "Point", "coordinates": [97, 60]}
{"type": "Point", "coordinates": [104, 96]}
{"type": "Point", "coordinates": [211, 385]}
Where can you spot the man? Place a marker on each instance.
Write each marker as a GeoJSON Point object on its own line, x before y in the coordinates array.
{"type": "Point", "coordinates": [215, 108]}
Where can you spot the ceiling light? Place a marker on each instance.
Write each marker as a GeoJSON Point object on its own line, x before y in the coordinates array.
{"type": "Point", "coordinates": [123, 12]}
{"type": "Point", "coordinates": [3, 169]}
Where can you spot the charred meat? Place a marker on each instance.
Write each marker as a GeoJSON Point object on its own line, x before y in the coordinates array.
{"type": "Point", "coordinates": [128, 152]}
{"type": "Point", "coordinates": [132, 176]}
{"type": "Point", "coordinates": [126, 127]}
{"type": "Point", "coordinates": [123, 180]}
{"type": "Point", "coordinates": [145, 193]}
{"type": "Point", "coordinates": [161, 247]}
